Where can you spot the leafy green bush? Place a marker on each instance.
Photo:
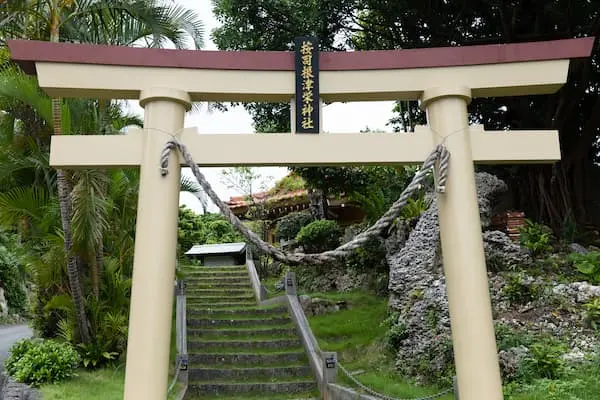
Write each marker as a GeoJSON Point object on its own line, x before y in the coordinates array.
{"type": "Point", "coordinates": [592, 313]}
{"type": "Point", "coordinates": [202, 229]}
{"type": "Point", "coordinates": [537, 238]}
{"type": "Point", "coordinates": [36, 361]}
{"type": "Point", "coordinates": [95, 354]}
{"type": "Point", "coordinates": [520, 288]}
{"type": "Point", "coordinates": [396, 331]}
{"type": "Point", "coordinates": [290, 225]}
{"type": "Point", "coordinates": [415, 207]}
{"type": "Point", "coordinates": [588, 264]}
{"type": "Point", "coordinates": [507, 337]}
{"type": "Point", "coordinates": [319, 236]}
{"type": "Point", "coordinates": [368, 258]}
{"type": "Point", "coordinates": [545, 360]}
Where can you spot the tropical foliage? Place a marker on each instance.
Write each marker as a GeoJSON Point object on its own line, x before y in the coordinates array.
{"type": "Point", "coordinates": [75, 229]}
{"type": "Point", "coordinates": [196, 229]}
{"type": "Point", "coordinates": [552, 194]}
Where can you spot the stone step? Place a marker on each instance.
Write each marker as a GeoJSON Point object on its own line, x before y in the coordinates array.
{"type": "Point", "coordinates": [218, 299]}
{"type": "Point", "coordinates": [225, 273]}
{"type": "Point", "coordinates": [254, 322]}
{"type": "Point", "coordinates": [312, 395]}
{"type": "Point", "coordinates": [220, 305]}
{"type": "Point", "coordinates": [192, 286]}
{"type": "Point", "coordinates": [272, 344]}
{"type": "Point", "coordinates": [252, 359]}
{"type": "Point", "coordinates": [218, 280]}
{"type": "Point", "coordinates": [215, 267]}
{"type": "Point", "coordinates": [242, 333]}
{"type": "Point", "coordinates": [235, 312]}
{"type": "Point", "coordinates": [200, 388]}
{"type": "Point", "coordinates": [249, 374]}
{"type": "Point", "coordinates": [218, 292]}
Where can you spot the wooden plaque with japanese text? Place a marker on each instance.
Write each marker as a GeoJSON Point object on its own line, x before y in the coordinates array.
{"type": "Point", "coordinates": [307, 85]}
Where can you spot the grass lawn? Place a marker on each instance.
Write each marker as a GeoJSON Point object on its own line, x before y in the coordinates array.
{"type": "Point", "coordinates": [356, 335]}
{"type": "Point", "coordinates": [103, 384]}
{"type": "Point", "coordinates": [269, 284]}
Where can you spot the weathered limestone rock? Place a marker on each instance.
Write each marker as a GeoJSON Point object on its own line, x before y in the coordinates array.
{"type": "Point", "coordinates": [511, 359]}
{"type": "Point", "coordinates": [577, 292]}
{"type": "Point", "coordinates": [318, 306]}
{"type": "Point", "coordinates": [12, 390]}
{"type": "Point", "coordinates": [3, 303]}
{"type": "Point", "coordinates": [501, 251]}
{"type": "Point", "coordinates": [488, 188]}
{"type": "Point", "coordinates": [418, 288]}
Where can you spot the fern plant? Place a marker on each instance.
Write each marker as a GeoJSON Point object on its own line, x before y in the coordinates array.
{"type": "Point", "coordinates": [537, 238]}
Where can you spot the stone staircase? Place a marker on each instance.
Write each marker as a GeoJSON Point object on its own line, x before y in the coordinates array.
{"type": "Point", "coordinates": [238, 350]}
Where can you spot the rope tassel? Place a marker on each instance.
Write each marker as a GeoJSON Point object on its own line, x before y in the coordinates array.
{"type": "Point", "coordinates": [438, 158]}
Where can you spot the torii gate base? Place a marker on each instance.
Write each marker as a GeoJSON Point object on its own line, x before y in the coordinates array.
{"type": "Point", "coordinates": [185, 76]}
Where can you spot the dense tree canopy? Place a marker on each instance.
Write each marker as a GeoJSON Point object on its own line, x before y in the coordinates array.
{"type": "Point", "coordinates": [554, 194]}
{"type": "Point", "coordinates": [76, 228]}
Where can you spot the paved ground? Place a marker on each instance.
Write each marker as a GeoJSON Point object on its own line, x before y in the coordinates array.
{"type": "Point", "coordinates": [9, 335]}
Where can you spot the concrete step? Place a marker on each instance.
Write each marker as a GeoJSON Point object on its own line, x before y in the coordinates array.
{"type": "Point", "coordinates": [208, 312]}
{"type": "Point", "coordinates": [217, 280]}
{"type": "Point", "coordinates": [236, 323]}
{"type": "Point", "coordinates": [206, 284]}
{"type": "Point", "coordinates": [249, 374]}
{"type": "Point", "coordinates": [312, 395]}
{"type": "Point", "coordinates": [248, 359]}
{"type": "Point", "coordinates": [215, 267]}
{"type": "Point", "coordinates": [229, 273]}
{"type": "Point", "coordinates": [274, 332]}
{"type": "Point", "coordinates": [218, 299]}
{"type": "Point", "coordinates": [242, 345]}
{"type": "Point", "coordinates": [193, 292]}
{"type": "Point", "coordinates": [222, 388]}
{"type": "Point", "coordinates": [220, 305]}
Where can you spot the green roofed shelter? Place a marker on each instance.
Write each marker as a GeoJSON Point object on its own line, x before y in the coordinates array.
{"type": "Point", "coordinates": [219, 254]}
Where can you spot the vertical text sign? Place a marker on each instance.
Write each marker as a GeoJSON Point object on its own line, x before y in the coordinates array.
{"type": "Point", "coordinates": [307, 85]}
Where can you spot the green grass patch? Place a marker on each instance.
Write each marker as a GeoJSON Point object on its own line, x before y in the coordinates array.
{"type": "Point", "coordinates": [269, 284]}
{"type": "Point", "coordinates": [356, 335]}
{"type": "Point", "coordinates": [581, 384]}
{"type": "Point", "coordinates": [102, 384]}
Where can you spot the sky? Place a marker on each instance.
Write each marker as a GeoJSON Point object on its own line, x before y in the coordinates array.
{"type": "Point", "coordinates": [337, 118]}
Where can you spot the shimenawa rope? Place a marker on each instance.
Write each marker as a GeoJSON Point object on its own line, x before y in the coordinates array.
{"type": "Point", "coordinates": [437, 159]}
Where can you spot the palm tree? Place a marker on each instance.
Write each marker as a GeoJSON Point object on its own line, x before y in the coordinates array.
{"type": "Point", "coordinates": [114, 22]}
{"type": "Point", "coordinates": [25, 203]}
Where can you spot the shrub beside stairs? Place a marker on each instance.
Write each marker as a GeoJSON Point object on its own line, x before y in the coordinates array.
{"type": "Point", "coordinates": [238, 350]}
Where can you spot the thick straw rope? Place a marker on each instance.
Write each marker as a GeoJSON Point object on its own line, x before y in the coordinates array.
{"type": "Point", "coordinates": [438, 159]}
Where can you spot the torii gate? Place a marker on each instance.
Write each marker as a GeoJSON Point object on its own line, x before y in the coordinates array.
{"type": "Point", "coordinates": [167, 81]}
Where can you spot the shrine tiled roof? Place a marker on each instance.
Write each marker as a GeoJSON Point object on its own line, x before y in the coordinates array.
{"type": "Point", "coordinates": [238, 202]}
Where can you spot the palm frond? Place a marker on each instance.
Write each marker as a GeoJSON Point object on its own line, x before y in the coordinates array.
{"type": "Point", "coordinates": [23, 203]}
{"type": "Point", "coordinates": [16, 85]}
{"type": "Point", "coordinates": [90, 209]}
{"type": "Point", "coordinates": [120, 22]}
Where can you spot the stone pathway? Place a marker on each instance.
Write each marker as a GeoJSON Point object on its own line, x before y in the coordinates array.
{"type": "Point", "coordinates": [238, 350]}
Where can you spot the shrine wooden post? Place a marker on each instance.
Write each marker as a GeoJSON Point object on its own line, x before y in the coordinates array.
{"type": "Point", "coordinates": [166, 81]}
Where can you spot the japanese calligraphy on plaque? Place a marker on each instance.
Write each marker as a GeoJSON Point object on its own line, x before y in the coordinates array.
{"type": "Point", "coordinates": [307, 85]}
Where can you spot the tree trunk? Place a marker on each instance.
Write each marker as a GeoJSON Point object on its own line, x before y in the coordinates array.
{"type": "Point", "coordinates": [64, 197]}
{"type": "Point", "coordinates": [318, 205]}
{"type": "Point", "coordinates": [72, 267]}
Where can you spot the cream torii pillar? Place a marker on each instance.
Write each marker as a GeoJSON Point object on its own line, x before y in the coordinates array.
{"type": "Point", "coordinates": [155, 248]}
{"type": "Point", "coordinates": [473, 338]}
{"type": "Point", "coordinates": [68, 70]}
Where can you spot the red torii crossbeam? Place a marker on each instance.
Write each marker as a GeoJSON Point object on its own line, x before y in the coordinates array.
{"type": "Point", "coordinates": [167, 81]}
